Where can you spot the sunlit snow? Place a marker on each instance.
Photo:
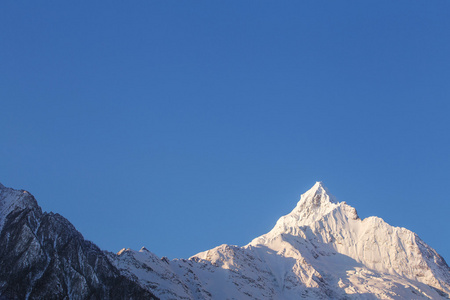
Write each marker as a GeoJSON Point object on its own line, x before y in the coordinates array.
{"type": "Point", "coordinates": [321, 250]}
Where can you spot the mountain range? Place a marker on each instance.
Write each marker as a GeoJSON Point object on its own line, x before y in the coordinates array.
{"type": "Point", "coordinates": [320, 250]}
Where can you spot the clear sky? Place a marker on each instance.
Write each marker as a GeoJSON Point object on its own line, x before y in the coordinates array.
{"type": "Point", "coordinates": [183, 125]}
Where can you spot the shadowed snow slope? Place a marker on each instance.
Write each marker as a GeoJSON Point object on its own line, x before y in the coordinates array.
{"type": "Point", "coordinates": [321, 250]}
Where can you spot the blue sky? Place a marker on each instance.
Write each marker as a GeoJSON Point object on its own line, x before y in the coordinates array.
{"type": "Point", "coordinates": [181, 126]}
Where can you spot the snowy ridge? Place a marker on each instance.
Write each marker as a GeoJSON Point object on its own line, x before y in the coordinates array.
{"type": "Point", "coordinates": [321, 250]}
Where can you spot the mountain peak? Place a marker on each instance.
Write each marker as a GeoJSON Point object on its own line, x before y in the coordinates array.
{"type": "Point", "coordinates": [317, 187]}
{"type": "Point", "coordinates": [316, 196]}
{"type": "Point", "coordinates": [318, 183]}
{"type": "Point", "coordinates": [312, 207]}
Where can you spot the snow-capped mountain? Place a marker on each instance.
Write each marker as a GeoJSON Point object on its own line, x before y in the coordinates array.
{"type": "Point", "coordinates": [321, 250]}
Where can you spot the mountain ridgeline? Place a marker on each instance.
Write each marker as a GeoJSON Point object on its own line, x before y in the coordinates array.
{"type": "Point", "coordinates": [320, 250]}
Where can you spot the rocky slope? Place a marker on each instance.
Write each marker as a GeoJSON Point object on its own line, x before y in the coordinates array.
{"type": "Point", "coordinates": [42, 256]}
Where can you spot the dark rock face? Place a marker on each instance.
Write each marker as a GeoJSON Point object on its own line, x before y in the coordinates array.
{"type": "Point", "coordinates": [43, 256]}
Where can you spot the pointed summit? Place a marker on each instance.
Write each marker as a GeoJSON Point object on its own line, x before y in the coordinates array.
{"type": "Point", "coordinates": [313, 206]}
{"type": "Point", "coordinates": [318, 184]}
{"type": "Point", "coordinates": [316, 196]}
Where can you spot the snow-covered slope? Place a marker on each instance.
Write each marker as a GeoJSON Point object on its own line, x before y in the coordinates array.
{"type": "Point", "coordinates": [321, 250]}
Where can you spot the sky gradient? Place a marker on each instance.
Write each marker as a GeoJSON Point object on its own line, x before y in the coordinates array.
{"type": "Point", "coordinates": [180, 126]}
